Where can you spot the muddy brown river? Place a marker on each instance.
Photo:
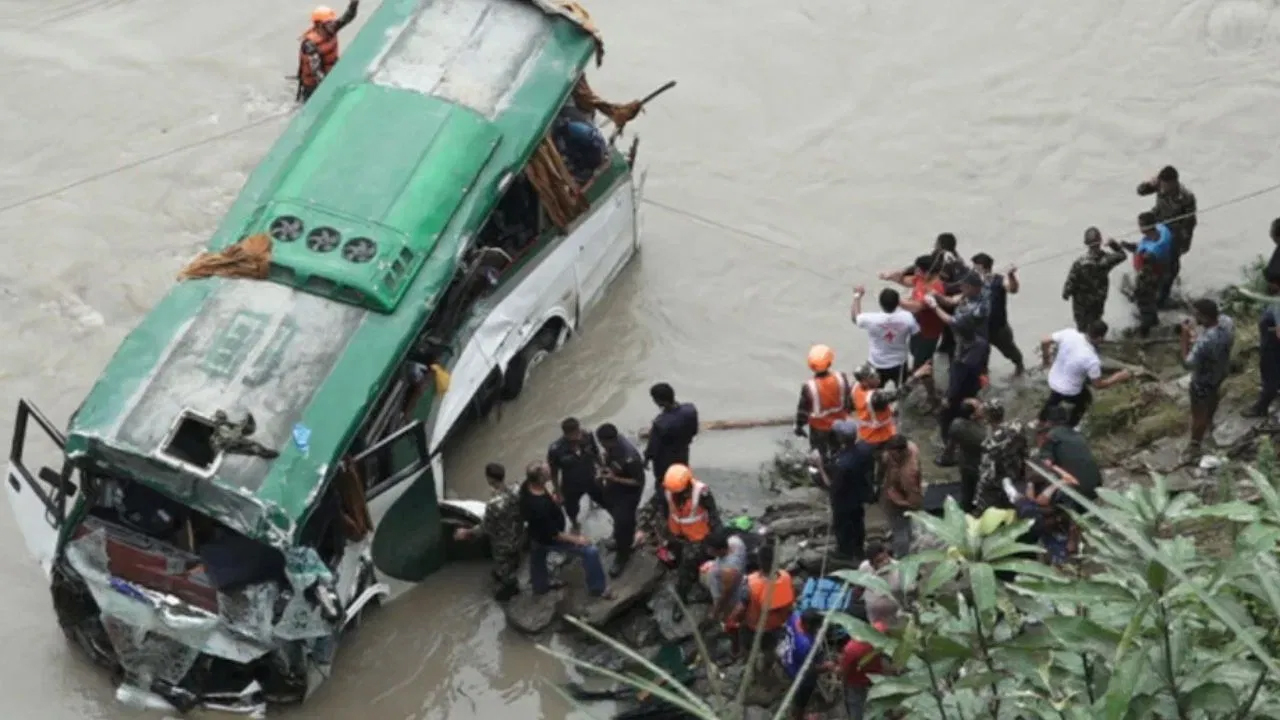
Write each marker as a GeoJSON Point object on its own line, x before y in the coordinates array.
{"type": "Point", "coordinates": [845, 134]}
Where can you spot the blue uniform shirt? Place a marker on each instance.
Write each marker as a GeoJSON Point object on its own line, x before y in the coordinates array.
{"type": "Point", "coordinates": [794, 646]}
{"type": "Point", "coordinates": [1160, 249]}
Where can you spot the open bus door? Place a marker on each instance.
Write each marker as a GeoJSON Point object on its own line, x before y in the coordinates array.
{"type": "Point", "coordinates": [408, 534]}
{"type": "Point", "coordinates": [38, 498]}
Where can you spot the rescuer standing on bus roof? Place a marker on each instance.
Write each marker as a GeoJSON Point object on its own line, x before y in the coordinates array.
{"type": "Point", "coordinates": [319, 52]}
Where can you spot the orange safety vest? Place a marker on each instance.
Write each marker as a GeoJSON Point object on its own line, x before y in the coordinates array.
{"type": "Point", "coordinates": [691, 522]}
{"type": "Point", "coordinates": [826, 400]}
{"type": "Point", "coordinates": [874, 426]}
{"type": "Point", "coordinates": [780, 602]}
{"type": "Point", "coordinates": [327, 46]}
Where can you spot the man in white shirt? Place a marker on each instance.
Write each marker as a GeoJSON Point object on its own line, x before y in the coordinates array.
{"type": "Point", "coordinates": [1075, 369]}
{"type": "Point", "coordinates": [890, 332]}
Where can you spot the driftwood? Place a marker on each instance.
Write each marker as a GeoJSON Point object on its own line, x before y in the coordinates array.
{"type": "Point", "coordinates": [736, 424]}
{"type": "Point", "coordinates": [1138, 371]}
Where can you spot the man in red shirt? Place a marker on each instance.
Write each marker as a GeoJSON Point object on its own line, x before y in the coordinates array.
{"type": "Point", "coordinates": [925, 279]}
{"type": "Point", "coordinates": [858, 662]}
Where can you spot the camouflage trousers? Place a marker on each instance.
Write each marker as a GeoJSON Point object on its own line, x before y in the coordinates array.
{"type": "Point", "coordinates": [1146, 295]}
{"type": "Point", "coordinates": [1087, 312]}
{"type": "Point", "coordinates": [689, 557]}
{"type": "Point", "coordinates": [506, 568]}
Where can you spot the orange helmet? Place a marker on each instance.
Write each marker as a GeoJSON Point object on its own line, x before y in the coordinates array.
{"type": "Point", "coordinates": [820, 358]}
{"type": "Point", "coordinates": [323, 14]}
{"type": "Point", "coordinates": [677, 478]}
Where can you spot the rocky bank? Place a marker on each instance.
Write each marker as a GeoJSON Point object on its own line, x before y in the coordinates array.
{"type": "Point", "coordinates": [1138, 428]}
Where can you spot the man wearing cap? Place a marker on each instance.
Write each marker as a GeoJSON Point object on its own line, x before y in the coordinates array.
{"type": "Point", "coordinates": [873, 405]}
{"type": "Point", "coordinates": [969, 310]}
{"type": "Point", "coordinates": [1175, 207]}
{"type": "Point", "coordinates": [688, 515]}
{"type": "Point", "coordinates": [851, 477]}
{"type": "Point", "coordinates": [1089, 279]}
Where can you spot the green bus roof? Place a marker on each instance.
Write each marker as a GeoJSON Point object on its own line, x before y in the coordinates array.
{"type": "Point", "coordinates": [397, 159]}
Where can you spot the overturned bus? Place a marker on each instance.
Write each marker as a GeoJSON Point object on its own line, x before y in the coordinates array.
{"type": "Point", "coordinates": [262, 451]}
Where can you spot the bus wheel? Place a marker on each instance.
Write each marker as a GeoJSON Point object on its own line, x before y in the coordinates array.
{"type": "Point", "coordinates": [522, 365]}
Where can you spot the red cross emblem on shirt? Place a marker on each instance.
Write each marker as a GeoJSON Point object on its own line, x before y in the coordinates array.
{"type": "Point", "coordinates": [888, 336]}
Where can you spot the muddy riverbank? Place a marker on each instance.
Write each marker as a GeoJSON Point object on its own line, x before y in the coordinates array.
{"type": "Point", "coordinates": [1137, 429]}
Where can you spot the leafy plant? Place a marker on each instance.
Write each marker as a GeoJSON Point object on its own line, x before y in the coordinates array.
{"type": "Point", "coordinates": [1151, 627]}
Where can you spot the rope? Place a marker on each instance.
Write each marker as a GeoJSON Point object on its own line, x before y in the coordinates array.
{"type": "Point", "coordinates": [818, 273]}
{"type": "Point", "coordinates": [142, 161]}
{"type": "Point", "coordinates": [650, 201]}
{"type": "Point", "coordinates": [1132, 233]}
{"type": "Point", "coordinates": [747, 234]}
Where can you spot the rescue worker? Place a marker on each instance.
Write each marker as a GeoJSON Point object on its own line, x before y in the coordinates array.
{"type": "Point", "coordinates": [1152, 258]}
{"type": "Point", "coordinates": [1089, 279]}
{"type": "Point", "coordinates": [691, 515]}
{"type": "Point", "coordinates": [850, 479]}
{"type": "Point", "coordinates": [999, 288]}
{"type": "Point", "coordinates": [1004, 455]}
{"type": "Point", "coordinates": [504, 527]}
{"type": "Point", "coordinates": [824, 400]}
{"type": "Point", "coordinates": [967, 434]}
{"type": "Point", "coordinates": [965, 379]}
{"type": "Point", "coordinates": [946, 262]}
{"type": "Point", "coordinates": [923, 283]}
{"type": "Point", "coordinates": [672, 431]}
{"type": "Point", "coordinates": [319, 52]}
{"type": "Point", "coordinates": [873, 406]}
{"type": "Point", "coordinates": [623, 476]}
{"type": "Point", "coordinates": [1207, 354]}
{"type": "Point", "coordinates": [575, 461]}
{"type": "Point", "coordinates": [726, 573]}
{"type": "Point", "coordinates": [799, 640]}
{"type": "Point", "coordinates": [769, 600]}
{"type": "Point", "coordinates": [1269, 351]}
{"type": "Point", "coordinates": [580, 142]}
{"type": "Point", "coordinates": [970, 310]}
{"type": "Point", "coordinates": [1175, 207]}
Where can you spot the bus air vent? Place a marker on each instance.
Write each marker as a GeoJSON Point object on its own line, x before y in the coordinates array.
{"type": "Point", "coordinates": [360, 250]}
{"type": "Point", "coordinates": [285, 228]}
{"type": "Point", "coordinates": [323, 239]}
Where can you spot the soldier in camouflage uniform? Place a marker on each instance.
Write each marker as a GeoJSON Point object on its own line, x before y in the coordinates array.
{"type": "Point", "coordinates": [1004, 455]}
{"type": "Point", "coordinates": [1175, 207]}
{"type": "Point", "coordinates": [505, 529]}
{"type": "Point", "coordinates": [1089, 280]}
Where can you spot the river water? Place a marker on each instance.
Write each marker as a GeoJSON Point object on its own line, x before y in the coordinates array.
{"type": "Point", "coordinates": [843, 136]}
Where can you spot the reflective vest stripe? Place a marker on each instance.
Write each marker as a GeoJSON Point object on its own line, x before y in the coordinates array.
{"type": "Point", "coordinates": [693, 522]}
{"type": "Point", "coordinates": [873, 426]}
{"type": "Point", "coordinates": [827, 408]}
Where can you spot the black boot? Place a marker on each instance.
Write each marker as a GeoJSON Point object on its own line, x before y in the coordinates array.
{"type": "Point", "coordinates": [946, 458]}
{"type": "Point", "coordinates": [1254, 411]}
{"type": "Point", "coordinates": [619, 564]}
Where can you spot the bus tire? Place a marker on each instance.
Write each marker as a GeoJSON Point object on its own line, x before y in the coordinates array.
{"type": "Point", "coordinates": [529, 357]}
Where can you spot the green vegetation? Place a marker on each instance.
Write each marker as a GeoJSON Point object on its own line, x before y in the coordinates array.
{"type": "Point", "coordinates": [1154, 628]}
{"type": "Point", "coordinates": [1173, 613]}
